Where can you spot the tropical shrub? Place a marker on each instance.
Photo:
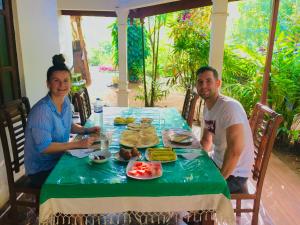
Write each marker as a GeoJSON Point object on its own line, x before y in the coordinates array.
{"type": "Point", "coordinates": [134, 48]}
{"type": "Point", "coordinates": [252, 33]}
{"type": "Point", "coordinates": [101, 55]}
{"type": "Point", "coordinates": [190, 46]}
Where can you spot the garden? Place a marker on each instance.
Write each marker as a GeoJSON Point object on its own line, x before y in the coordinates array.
{"type": "Point", "coordinates": [165, 51]}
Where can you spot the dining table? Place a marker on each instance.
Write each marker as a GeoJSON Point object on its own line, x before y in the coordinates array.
{"type": "Point", "coordinates": [104, 194]}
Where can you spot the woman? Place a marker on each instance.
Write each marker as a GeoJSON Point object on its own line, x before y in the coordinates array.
{"type": "Point", "coordinates": [49, 125]}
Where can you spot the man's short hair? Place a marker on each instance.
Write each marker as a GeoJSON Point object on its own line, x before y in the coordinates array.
{"type": "Point", "coordinates": [208, 68]}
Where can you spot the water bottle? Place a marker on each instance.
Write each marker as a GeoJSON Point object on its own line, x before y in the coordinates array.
{"type": "Point", "coordinates": [98, 110]}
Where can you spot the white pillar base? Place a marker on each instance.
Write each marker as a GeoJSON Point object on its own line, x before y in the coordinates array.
{"type": "Point", "coordinates": [123, 100]}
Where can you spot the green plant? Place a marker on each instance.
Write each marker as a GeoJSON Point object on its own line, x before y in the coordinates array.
{"type": "Point", "coordinates": [284, 95]}
{"type": "Point", "coordinates": [134, 49]}
{"type": "Point", "coordinates": [153, 89]}
{"type": "Point", "coordinates": [190, 36]}
{"type": "Point", "coordinates": [240, 79]}
{"type": "Point", "coordinates": [101, 55]}
{"type": "Point", "coordinates": [251, 33]}
{"type": "Point", "coordinates": [162, 90]}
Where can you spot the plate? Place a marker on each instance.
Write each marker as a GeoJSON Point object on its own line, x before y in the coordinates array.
{"type": "Point", "coordinates": [120, 159]}
{"type": "Point", "coordinates": [120, 124]}
{"type": "Point", "coordinates": [105, 154]}
{"type": "Point", "coordinates": [147, 155]}
{"type": "Point", "coordinates": [140, 139]}
{"type": "Point", "coordinates": [180, 137]}
{"type": "Point", "coordinates": [146, 120]}
{"type": "Point", "coordinates": [144, 170]}
{"type": "Point", "coordinates": [123, 120]}
{"type": "Point", "coordinates": [130, 145]}
{"type": "Point", "coordinates": [138, 126]}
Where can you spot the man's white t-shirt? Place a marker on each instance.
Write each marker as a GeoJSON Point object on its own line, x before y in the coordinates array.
{"type": "Point", "coordinates": [225, 113]}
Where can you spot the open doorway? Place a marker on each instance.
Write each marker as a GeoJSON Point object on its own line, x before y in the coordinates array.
{"type": "Point", "coordinates": [92, 56]}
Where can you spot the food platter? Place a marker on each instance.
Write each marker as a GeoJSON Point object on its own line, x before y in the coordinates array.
{"type": "Point", "coordinates": [138, 126]}
{"type": "Point", "coordinates": [180, 137]}
{"type": "Point", "coordinates": [144, 138]}
{"type": "Point", "coordinates": [120, 159]}
{"type": "Point", "coordinates": [128, 144]}
{"type": "Point", "coordinates": [123, 120]}
{"type": "Point", "coordinates": [144, 170]}
{"type": "Point", "coordinates": [163, 155]}
{"type": "Point", "coordinates": [125, 154]}
{"type": "Point", "coordinates": [146, 120]}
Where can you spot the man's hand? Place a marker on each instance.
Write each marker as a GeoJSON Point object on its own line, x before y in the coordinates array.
{"type": "Point", "coordinates": [235, 144]}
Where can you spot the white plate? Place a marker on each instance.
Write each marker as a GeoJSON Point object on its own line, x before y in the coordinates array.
{"type": "Point", "coordinates": [147, 158]}
{"type": "Point", "coordinates": [126, 144]}
{"type": "Point", "coordinates": [130, 165]}
{"type": "Point", "coordinates": [104, 153]}
{"type": "Point", "coordinates": [119, 158]}
{"type": "Point", "coordinates": [187, 140]}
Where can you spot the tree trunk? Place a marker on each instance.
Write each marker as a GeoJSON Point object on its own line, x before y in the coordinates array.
{"type": "Point", "coordinates": [144, 66]}
{"type": "Point", "coordinates": [153, 91]}
{"type": "Point", "coordinates": [153, 63]}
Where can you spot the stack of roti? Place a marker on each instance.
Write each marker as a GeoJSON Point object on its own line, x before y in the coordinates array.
{"type": "Point", "coordinates": [140, 137]}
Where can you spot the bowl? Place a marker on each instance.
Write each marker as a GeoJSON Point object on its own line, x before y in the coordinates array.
{"type": "Point", "coordinates": [100, 156]}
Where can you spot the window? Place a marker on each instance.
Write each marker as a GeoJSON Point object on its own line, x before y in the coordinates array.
{"type": "Point", "coordinates": [9, 76]}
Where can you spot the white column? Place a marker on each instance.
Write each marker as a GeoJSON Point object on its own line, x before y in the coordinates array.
{"type": "Point", "coordinates": [123, 91]}
{"type": "Point", "coordinates": [217, 37]}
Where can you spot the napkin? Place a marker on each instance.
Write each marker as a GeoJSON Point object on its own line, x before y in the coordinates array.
{"type": "Point", "coordinates": [80, 153]}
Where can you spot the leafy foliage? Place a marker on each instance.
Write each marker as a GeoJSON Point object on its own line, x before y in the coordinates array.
{"type": "Point", "coordinates": [191, 51]}
{"type": "Point", "coordinates": [251, 32]}
{"type": "Point", "coordinates": [191, 46]}
{"type": "Point", "coordinates": [154, 89]}
{"type": "Point", "coordinates": [244, 58]}
{"type": "Point", "coordinates": [240, 79]}
{"type": "Point", "coordinates": [134, 49]}
{"type": "Point", "coordinates": [101, 55]}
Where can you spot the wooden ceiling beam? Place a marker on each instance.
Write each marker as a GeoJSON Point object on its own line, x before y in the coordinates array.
{"type": "Point", "coordinates": [146, 11]}
{"type": "Point", "coordinates": [88, 13]}
{"type": "Point", "coordinates": [169, 7]}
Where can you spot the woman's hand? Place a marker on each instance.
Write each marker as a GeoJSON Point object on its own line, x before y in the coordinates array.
{"type": "Point", "coordinates": [86, 143]}
{"type": "Point", "coordinates": [93, 130]}
{"type": "Point", "coordinates": [78, 129]}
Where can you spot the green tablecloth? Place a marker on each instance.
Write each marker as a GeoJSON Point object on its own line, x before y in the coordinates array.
{"type": "Point", "coordinates": [75, 178]}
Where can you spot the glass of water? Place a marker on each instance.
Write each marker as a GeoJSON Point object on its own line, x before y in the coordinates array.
{"type": "Point", "coordinates": [106, 139]}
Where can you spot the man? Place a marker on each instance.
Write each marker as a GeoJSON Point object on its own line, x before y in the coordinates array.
{"type": "Point", "coordinates": [226, 131]}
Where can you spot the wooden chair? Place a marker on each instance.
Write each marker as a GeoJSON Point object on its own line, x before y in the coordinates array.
{"type": "Point", "coordinates": [264, 123]}
{"type": "Point", "coordinates": [13, 117]}
{"type": "Point", "coordinates": [189, 106]}
{"type": "Point", "coordinates": [81, 101]}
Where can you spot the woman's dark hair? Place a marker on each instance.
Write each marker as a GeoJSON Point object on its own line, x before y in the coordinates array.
{"type": "Point", "coordinates": [208, 68]}
{"type": "Point", "coordinates": [58, 65]}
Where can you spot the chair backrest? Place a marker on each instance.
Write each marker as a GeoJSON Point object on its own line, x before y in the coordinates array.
{"type": "Point", "coordinates": [13, 118]}
{"type": "Point", "coordinates": [82, 104]}
{"type": "Point", "coordinates": [264, 123]}
{"type": "Point", "coordinates": [189, 106]}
